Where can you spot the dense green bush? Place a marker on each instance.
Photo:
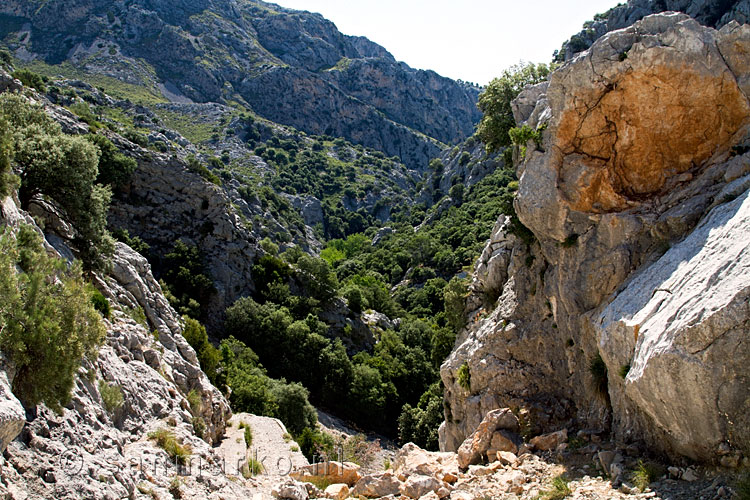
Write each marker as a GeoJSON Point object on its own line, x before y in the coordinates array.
{"type": "Point", "coordinates": [254, 392]}
{"type": "Point", "coordinates": [115, 168]}
{"type": "Point", "coordinates": [598, 371]}
{"type": "Point", "coordinates": [196, 166]}
{"type": "Point", "coordinates": [29, 78]}
{"type": "Point", "coordinates": [419, 424]}
{"type": "Point", "coordinates": [293, 407]}
{"type": "Point", "coordinates": [47, 321]}
{"type": "Point", "coordinates": [495, 101]}
{"type": "Point", "coordinates": [187, 280]}
{"type": "Point", "coordinates": [100, 302]}
{"type": "Point", "coordinates": [208, 356]}
{"type": "Point", "coordinates": [176, 450]}
{"type": "Point", "coordinates": [62, 169]}
{"type": "Point", "coordinates": [134, 242]}
{"type": "Point", "coordinates": [315, 444]}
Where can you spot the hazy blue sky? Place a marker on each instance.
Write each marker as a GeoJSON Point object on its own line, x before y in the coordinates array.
{"type": "Point", "coordinates": [473, 40]}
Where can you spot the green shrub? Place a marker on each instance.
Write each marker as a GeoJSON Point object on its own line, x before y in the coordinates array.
{"type": "Point", "coordinates": [83, 111]}
{"type": "Point", "coordinates": [464, 376]}
{"type": "Point", "coordinates": [175, 488]}
{"type": "Point", "coordinates": [134, 242]}
{"type": "Point", "coordinates": [354, 299]}
{"type": "Point", "coordinates": [29, 78]}
{"type": "Point", "coordinates": [420, 424]}
{"type": "Point", "coordinates": [196, 166]}
{"type": "Point", "coordinates": [315, 444]}
{"type": "Point", "coordinates": [115, 168]}
{"type": "Point", "coordinates": [187, 279]}
{"type": "Point", "coordinates": [293, 407]}
{"type": "Point", "coordinates": [47, 321]}
{"type": "Point", "coordinates": [644, 474]}
{"type": "Point", "coordinates": [521, 136]}
{"type": "Point", "coordinates": [248, 436]}
{"type": "Point", "coordinates": [454, 300]}
{"type": "Point", "coordinates": [208, 355]}
{"type": "Point", "coordinates": [251, 468]}
{"type": "Point", "coordinates": [166, 440]}
{"type": "Point", "coordinates": [558, 490]}
{"type": "Point", "coordinates": [570, 241]}
{"type": "Point", "coordinates": [494, 102]}
{"type": "Point", "coordinates": [199, 426]}
{"type": "Point", "coordinates": [464, 159]}
{"type": "Point", "coordinates": [194, 401]}
{"type": "Point", "coordinates": [111, 395]}
{"type": "Point", "coordinates": [100, 303]}
{"type": "Point", "coordinates": [6, 57]}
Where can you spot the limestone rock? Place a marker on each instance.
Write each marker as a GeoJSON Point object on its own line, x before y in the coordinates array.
{"type": "Point", "coordinates": [337, 491]}
{"type": "Point", "coordinates": [377, 485]}
{"type": "Point", "coordinates": [690, 308]}
{"type": "Point", "coordinates": [291, 490]}
{"type": "Point", "coordinates": [505, 441]}
{"type": "Point", "coordinates": [550, 441]}
{"type": "Point", "coordinates": [627, 13]}
{"type": "Point", "coordinates": [507, 458]}
{"type": "Point", "coordinates": [476, 445]}
{"type": "Point", "coordinates": [335, 472]}
{"type": "Point", "coordinates": [418, 486]}
{"type": "Point", "coordinates": [12, 415]}
{"type": "Point", "coordinates": [599, 154]}
{"type": "Point", "coordinates": [412, 460]}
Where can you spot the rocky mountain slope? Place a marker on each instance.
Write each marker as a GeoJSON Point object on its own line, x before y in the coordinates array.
{"type": "Point", "coordinates": [628, 311]}
{"type": "Point", "coordinates": [291, 67]}
{"type": "Point", "coordinates": [713, 14]}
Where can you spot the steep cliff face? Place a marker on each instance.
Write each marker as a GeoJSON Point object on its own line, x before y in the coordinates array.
{"type": "Point", "coordinates": [292, 67]}
{"type": "Point", "coordinates": [166, 202]}
{"type": "Point", "coordinates": [642, 151]}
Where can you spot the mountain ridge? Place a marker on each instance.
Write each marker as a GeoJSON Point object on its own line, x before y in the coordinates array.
{"type": "Point", "coordinates": [291, 67]}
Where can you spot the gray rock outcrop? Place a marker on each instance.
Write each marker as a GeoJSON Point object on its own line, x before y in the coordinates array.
{"type": "Point", "coordinates": [12, 415]}
{"type": "Point", "coordinates": [636, 198]}
{"type": "Point", "coordinates": [166, 202]}
{"type": "Point", "coordinates": [713, 14]}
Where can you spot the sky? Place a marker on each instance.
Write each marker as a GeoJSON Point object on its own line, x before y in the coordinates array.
{"type": "Point", "coordinates": [471, 40]}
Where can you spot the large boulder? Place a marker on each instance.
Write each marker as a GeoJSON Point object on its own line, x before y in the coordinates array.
{"type": "Point", "coordinates": [549, 441]}
{"type": "Point", "coordinates": [681, 325]}
{"type": "Point", "coordinates": [411, 460]}
{"type": "Point", "coordinates": [333, 472]}
{"type": "Point", "coordinates": [12, 415]}
{"type": "Point", "coordinates": [418, 486]}
{"type": "Point", "coordinates": [475, 447]}
{"type": "Point", "coordinates": [644, 105]}
{"type": "Point", "coordinates": [290, 490]}
{"type": "Point", "coordinates": [377, 485]}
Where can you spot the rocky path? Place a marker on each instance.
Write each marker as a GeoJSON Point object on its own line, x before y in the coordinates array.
{"type": "Point", "coordinates": [271, 446]}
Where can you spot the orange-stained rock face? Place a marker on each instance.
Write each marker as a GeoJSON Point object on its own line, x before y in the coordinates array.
{"type": "Point", "coordinates": [623, 141]}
